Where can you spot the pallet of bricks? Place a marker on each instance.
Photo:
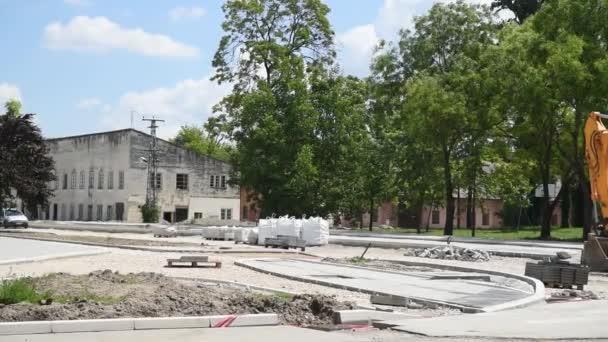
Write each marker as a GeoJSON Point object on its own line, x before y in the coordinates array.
{"type": "Point", "coordinates": [561, 275]}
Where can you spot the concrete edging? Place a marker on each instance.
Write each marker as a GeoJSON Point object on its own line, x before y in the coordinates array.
{"type": "Point", "coordinates": [160, 250]}
{"type": "Point", "coordinates": [536, 297]}
{"type": "Point", "coordinates": [537, 285]}
{"type": "Point", "coordinates": [397, 244]}
{"type": "Point", "coordinates": [124, 324]}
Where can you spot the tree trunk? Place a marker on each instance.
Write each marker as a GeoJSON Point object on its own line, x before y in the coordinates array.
{"type": "Point", "coordinates": [565, 209]}
{"type": "Point", "coordinates": [371, 213]}
{"type": "Point", "coordinates": [457, 207]}
{"type": "Point", "coordinates": [449, 193]}
{"type": "Point", "coordinates": [545, 230]}
{"type": "Point", "coordinates": [470, 222]}
{"type": "Point", "coordinates": [579, 116]}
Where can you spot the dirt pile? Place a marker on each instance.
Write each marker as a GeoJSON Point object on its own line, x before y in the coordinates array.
{"type": "Point", "coordinates": [104, 294]}
{"type": "Point", "coordinates": [453, 253]}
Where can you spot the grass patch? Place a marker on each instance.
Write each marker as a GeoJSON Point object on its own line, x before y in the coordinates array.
{"type": "Point", "coordinates": [14, 291]}
{"type": "Point", "coordinates": [573, 234]}
{"type": "Point", "coordinates": [357, 260]}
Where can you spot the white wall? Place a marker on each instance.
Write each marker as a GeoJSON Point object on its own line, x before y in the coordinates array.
{"type": "Point", "coordinates": [211, 207]}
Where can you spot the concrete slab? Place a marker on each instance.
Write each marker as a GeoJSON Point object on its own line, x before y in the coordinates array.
{"type": "Point", "coordinates": [15, 251]}
{"type": "Point", "coordinates": [15, 328]}
{"type": "Point", "coordinates": [170, 323]}
{"type": "Point", "coordinates": [389, 300]}
{"type": "Point", "coordinates": [226, 321]}
{"type": "Point", "coordinates": [249, 334]}
{"type": "Point", "coordinates": [92, 325]}
{"type": "Point", "coordinates": [418, 286]}
{"type": "Point", "coordinates": [573, 320]}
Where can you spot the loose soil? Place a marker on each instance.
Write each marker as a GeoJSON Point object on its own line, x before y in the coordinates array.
{"type": "Point", "coordinates": [98, 239]}
{"type": "Point", "coordinates": [106, 294]}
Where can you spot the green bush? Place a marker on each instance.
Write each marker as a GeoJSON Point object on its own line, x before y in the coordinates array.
{"type": "Point", "coordinates": [20, 290]}
{"type": "Point", "coordinates": [150, 213]}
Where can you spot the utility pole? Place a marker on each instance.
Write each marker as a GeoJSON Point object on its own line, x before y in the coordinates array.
{"type": "Point", "coordinates": [152, 162]}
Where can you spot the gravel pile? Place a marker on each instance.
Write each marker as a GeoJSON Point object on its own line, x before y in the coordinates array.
{"type": "Point", "coordinates": [453, 253]}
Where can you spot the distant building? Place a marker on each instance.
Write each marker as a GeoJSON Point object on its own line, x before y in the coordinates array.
{"type": "Point", "coordinates": [102, 177]}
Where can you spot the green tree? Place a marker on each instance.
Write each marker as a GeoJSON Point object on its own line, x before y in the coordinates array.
{"type": "Point", "coordinates": [576, 54]}
{"type": "Point", "coordinates": [196, 139]}
{"type": "Point", "coordinates": [25, 167]}
{"type": "Point", "coordinates": [260, 34]}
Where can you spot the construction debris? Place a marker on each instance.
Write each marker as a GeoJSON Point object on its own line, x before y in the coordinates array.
{"type": "Point", "coordinates": [452, 253]}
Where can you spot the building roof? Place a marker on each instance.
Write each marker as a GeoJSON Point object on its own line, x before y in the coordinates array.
{"type": "Point", "coordinates": [127, 130]}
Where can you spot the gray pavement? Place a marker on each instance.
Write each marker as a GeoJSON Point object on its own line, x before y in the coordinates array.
{"type": "Point", "coordinates": [574, 320]}
{"type": "Point", "coordinates": [14, 251]}
{"type": "Point", "coordinates": [422, 286]}
{"type": "Point", "coordinates": [537, 252]}
{"type": "Point", "coordinates": [253, 334]}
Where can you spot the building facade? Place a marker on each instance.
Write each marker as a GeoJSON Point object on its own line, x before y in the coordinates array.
{"type": "Point", "coordinates": [103, 177]}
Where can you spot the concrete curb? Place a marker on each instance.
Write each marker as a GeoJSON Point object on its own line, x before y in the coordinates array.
{"type": "Point", "coordinates": [489, 241]}
{"type": "Point", "coordinates": [536, 297]}
{"type": "Point", "coordinates": [160, 250]}
{"type": "Point", "coordinates": [52, 257]}
{"type": "Point", "coordinates": [124, 324]}
{"type": "Point", "coordinates": [396, 244]}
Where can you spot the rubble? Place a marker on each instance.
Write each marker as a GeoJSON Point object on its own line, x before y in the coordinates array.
{"type": "Point", "coordinates": [452, 253]}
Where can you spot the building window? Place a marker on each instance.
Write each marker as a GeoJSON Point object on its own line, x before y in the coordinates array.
{"type": "Point", "coordinates": [110, 180]}
{"type": "Point", "coordinates": [212, 183]}
{"type": "Point", "coordinates": [72, 211]}
{"type": "Point", "coordinates": [90, 212]}
{"type": "Point", "coordinates": [73, 180]}
{"type": "Point", "coordinates": [245, 213]}
{"type": "Point", "coordinates": [223, 182]}
{"type": "Point", "coordinates": [226, 214]}
{"type": "Point", "coordinates": [100, 180]}
{"type": "Point", "coordinates": [121, 180]}
{"type": "Point", "coordinates": [81, 210]}
{"type": "Point", "coordinates": [485, 218]}
{"type": "Point", "coordinates": [63, 213]}
{"type": "Point", "coordinates": [182, 181]}
{"type": "Point", "coordinates": [198, 216]}
{"type": "Point", "coordinates": [81, 179]}
{"type": "Point", "coordinates": [435, 217]}
{"type": "Point", "coordinates": [159, 182]}
{"type": "Point", "coordinates": [109, 213]}
{"type": "Point", "coordinates": [65, 181]}
{"type": "Point", "coordinates": [99, 212]}
{"type": "Point", "coordinates": [91, 178]}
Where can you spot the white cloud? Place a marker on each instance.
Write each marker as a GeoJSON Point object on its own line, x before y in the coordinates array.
{"type": "Point", "coordinates": [360, 41]}
{"type": "Point", "coordinates": [100, 34]}
{"type": "Point", "coordinates": [89, 103]}
{"type": "Point", "coordinates": [185, 103]}
{"type": "Point", "coordinates": [8, 92]}
{"type": "Point", "coordinates": [180, 13]}
{"type": "Point", "coordinates": [80, 3]}
{"type": "Point", "coordinates": [358, 44]}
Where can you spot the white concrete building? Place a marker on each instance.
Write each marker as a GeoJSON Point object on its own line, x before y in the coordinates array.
{"type": "Point", "coordinates": [102, 177]}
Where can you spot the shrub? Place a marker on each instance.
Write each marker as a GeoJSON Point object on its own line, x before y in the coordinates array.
{"type": "Point", "coordinates": [20, 290]}
{"type": "Point", "coordinates": [150, 213]}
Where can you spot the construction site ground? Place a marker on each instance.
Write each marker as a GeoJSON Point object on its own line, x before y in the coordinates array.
{"type": "Point", "coordinates": [151, 264]}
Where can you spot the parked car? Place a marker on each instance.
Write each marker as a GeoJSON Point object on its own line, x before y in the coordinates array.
{"type": "Point", "coordinates": [13, 218]}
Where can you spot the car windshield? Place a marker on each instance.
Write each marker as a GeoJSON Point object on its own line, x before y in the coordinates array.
{"type": "Point", "coordinates": [13, 212]}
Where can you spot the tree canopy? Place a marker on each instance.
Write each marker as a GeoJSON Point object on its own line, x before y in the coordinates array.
{"type": "Point", "coordinates": [25, 167]}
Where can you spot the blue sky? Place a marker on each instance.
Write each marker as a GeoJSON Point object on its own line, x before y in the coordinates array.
{"type": "Point", "coordinates": [84, 65]}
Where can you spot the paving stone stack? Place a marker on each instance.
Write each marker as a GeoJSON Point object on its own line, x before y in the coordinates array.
{"type": "Point", "coordinates": [452, 253]}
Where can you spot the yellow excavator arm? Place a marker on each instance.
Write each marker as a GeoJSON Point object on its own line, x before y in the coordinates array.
{"type": "Point", "coordinates": [596, 151]}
